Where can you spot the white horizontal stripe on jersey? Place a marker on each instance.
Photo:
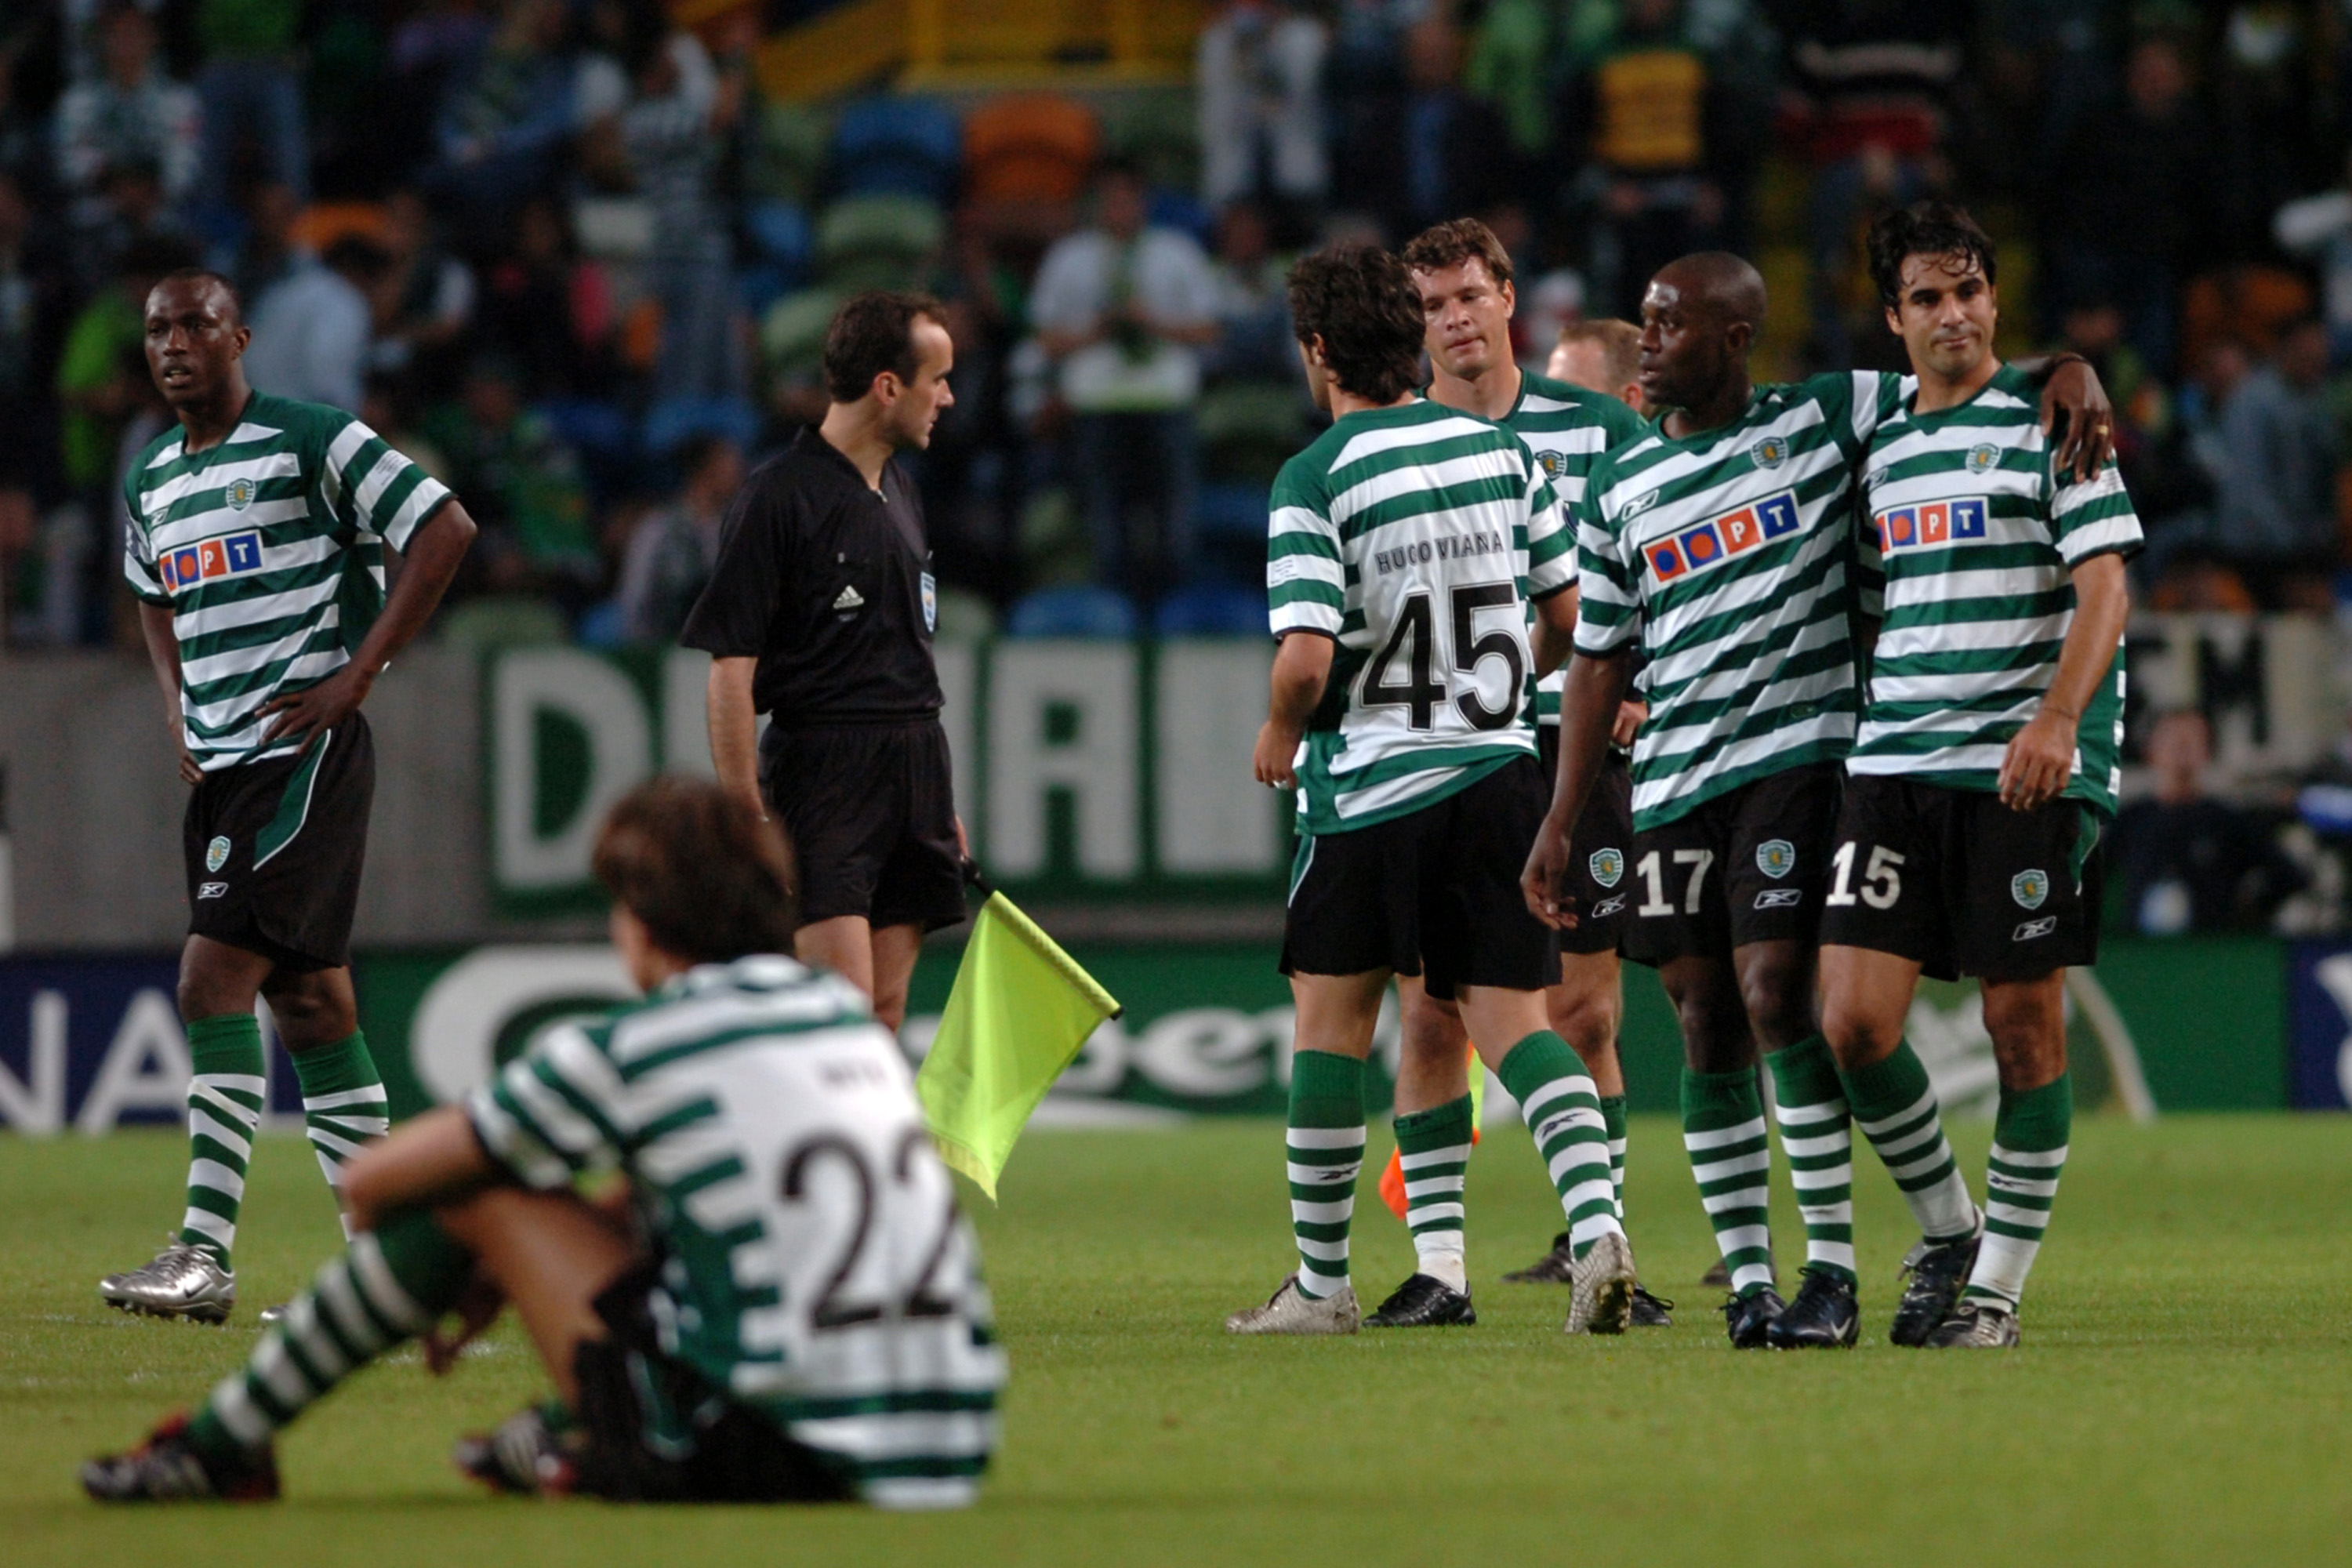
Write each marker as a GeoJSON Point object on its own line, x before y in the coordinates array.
{"type": "Point", "coordinates": [197, 527]}
{"type": "Point", "coordinates": [1683, 739]}
{"type": "Point", "coordinates": [1958, 688]}
{"type": "Point", "coordinates": [1738, 755]}
{"type": "Point", "coordinates": [694, 1017]}
{"type": "Point", "coordinates": [212, 618]}
{"type": "Point", "coordinates": [217, 476]}
{"type": "Point", "coordinates": [429, 493]}
{"type": "Point", "coordinates": [239, 661]}
{"type": "Point", "coordinates": [1302, 568]}
{"type": "Point", "coordinates": [1386, 438]}
{"type": "Point", "coordinates": [1722, 664]}
{"type": "Point", "coordinates": [1420, 478]}
{"type": "Point", "coordinates": [1945, 636]}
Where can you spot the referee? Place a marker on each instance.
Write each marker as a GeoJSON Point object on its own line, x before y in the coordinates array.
{"type": "Point", "coordinates": [819, 614]}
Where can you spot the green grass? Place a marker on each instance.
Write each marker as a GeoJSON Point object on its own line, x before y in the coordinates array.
{"type": "Point", "coordinates": [2184, 1393]}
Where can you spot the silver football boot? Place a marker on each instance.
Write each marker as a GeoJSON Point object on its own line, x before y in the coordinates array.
{"type": "Point", "coordinates": [1976, 1325]}
{"type": "Point", "coordinates": [182, 1282]}
{"type": "Point", "coordinates": [1290, 1310]}
{"type": "Point", "coordinates": [1603, 1280]}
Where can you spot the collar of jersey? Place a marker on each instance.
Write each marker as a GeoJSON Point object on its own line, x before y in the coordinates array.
{"type": "Point", "coordinates": [2009, 378]}
{"type": "Point", "coordinates": [1692, 443]}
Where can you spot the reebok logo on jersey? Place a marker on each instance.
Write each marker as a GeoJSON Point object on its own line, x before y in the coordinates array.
{"type": "Point", "coordinates": [1460, 547]}
{"type": "Point", "coordinates": [1930, 524]}
{"type": "Point", "coordinates": [849, 599]}
{"type": "Point", "coordinates": [1714, 542]}
{"type": "Point", "coordinates": [230, 555]}
{"type": "Point", "coordinates": [2033, 928]}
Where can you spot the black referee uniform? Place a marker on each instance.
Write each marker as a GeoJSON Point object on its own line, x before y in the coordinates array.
{"type": "Point", "coordinates": [828, 584]}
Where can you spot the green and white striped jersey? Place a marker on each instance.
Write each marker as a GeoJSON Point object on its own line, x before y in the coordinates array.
{"type": "Point", "coordinates": [268, 552]}
{"type": "Point", "coordinates": [1568, 428]}
{"type": "Point", "coordinates": [814, 1264]}
{"type": "Point", "coordinates": [1975, 538]}
{"type": "Point", "coordinates": [1405, 534]}
{"type": "Point", "coordinates": [1727, 558]}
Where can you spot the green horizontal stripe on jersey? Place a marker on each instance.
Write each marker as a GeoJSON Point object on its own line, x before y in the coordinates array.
{"type": "Point", "coordinates": [1809, 579]}
{"type": "Point", "coordinates": [638, 1066]}
{"type": "Point", "coordinates": [1316, 823]}
{"type": "Point", "coordinates": [1724, 783]}
{"type": "Point", "coordinates": [1774, 646]}
{"type": "Point", "coordinates": [583, 1104]}
{"type": "Point", "coordinates": [725, 1169]}
{"type": "Point", "coordinates": [1966, 662]}
{"type": "Point", "coordinates": [1285, 544]}
{"type": "Point", "coordinates": [1493, 490]}
{"type": "Point", "coordinates": [680, 1117]}
{"type": "Point", "coordinates": [916, 1467]}
{"type": "Point", "coordinates": [1956, 612]}
{"type": "Point", "coordinates": [1975, 702]}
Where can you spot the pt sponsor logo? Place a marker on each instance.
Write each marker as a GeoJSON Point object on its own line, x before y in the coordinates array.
{"type": "Point", "coordinates": [1689, 551]}
{"type": "Point", "coordinates": [212, 890]}
{"type": "Point", "coordinates": [216, 854]}
{"type": "Point", "coordinates": [1930, 525]}
{"type": "Point", "coordinates": [1780, 898]}
{"type": "Point", "coordinates": [230, 555]}
{"type": "Point", "coordinates": [2033, 928]}
{"type": "Point", "coordinates": [2029, 889]}
{"type": "Point", "coordinates": [1606, 866]}
{"type": "Point", "coordinates": [1776, 858]}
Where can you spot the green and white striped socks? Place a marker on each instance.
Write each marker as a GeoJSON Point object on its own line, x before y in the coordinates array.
{"type": "Point", "coordinates": [1613, 1121]}
{"type": "Point", "coordinates": [392, 1285]}
{"type": "Point", "coordinates": [344, 1105]}
{"type": "Point", "coordinates": [2030, 1134]}
{"type": "Point", "coordinates": [1895, 1105]}
{"type": "Point", "coordinates": [224, 1100]}
{"type": "Point", "coordinates": [1326, 1153]}
{"type": "Point", "coordinates": [1434, 1150]}
{"type": "Point", "coordinates": [1562, 1109]}
{"type": "Point", "coordinates": [1817, 1135]}
{"type": "Point", "coordinates": [1731, 1156]}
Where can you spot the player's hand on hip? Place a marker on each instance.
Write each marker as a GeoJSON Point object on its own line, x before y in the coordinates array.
{"type": "Point", "coordinates": [190, 773]}
{"type": "Point", "coordinates": [2039, 760]}
{"type": "Point", "coordinates": [1542, 884]}
{"type": "Point", "coordinates": [1274, 758]}
{"type": "Point", "coordinates": [1631, 717]}
{"type": "Point", "coordinates": [315, 709]}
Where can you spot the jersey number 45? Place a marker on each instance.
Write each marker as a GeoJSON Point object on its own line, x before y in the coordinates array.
{"type": "Point", "coordinates": [1413, 646]}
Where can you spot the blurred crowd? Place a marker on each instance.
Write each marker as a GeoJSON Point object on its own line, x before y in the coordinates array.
{"type": "Point", "coordinates": [575, 259]}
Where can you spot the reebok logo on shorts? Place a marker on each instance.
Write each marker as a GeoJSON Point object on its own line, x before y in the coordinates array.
{"type": "Point", "coordinates": [1717, 540]}
{"type": "Point", "coordinates": [1780, 898]}
{"type": "Point", "coordinates": [230, 555]}
{"type": "Point", "coordinates": [1930, 524]}
{"type": "Point", "coordinates": [213, 891]}
{"type": "Point", "coordinates": [1610, 906]}
{"type": "Point", "coordinates": [2033, 928]}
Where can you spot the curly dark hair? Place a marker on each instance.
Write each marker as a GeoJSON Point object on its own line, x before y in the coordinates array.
{"type": "Point", "coordinates": [1360, 301]}
{"type": "Point", "coordinates": [1925, 228]}
{"type": "Point", "coordinates": [710, 880]}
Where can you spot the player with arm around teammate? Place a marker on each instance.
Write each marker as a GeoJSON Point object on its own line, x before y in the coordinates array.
{"type": "Point", "coordinates": [779, 1303]}
{"type": "Point", "coordinates": [1463, 274]}
{"type": "Point", "coordinates": [1720, 546]}
{"type": "Point", "coordinates": [255, 548]}
{"type": "Point", "coordinates": [1989, 748]}
{"type": "Point", "coordinates": [1396, 551]}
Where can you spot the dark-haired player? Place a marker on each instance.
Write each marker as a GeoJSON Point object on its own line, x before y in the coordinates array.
{"type": "Point", "coordinates": [778, 1302]}
{"type": "Point", "coordinates": [256, 547]}
{"type": "Point", "coordinates": [1990, 749]}
{"type": "Point", "coordinates": [819, 612]}
{"type": "Point", "coordinates": [1395, 559]}
{"type": "Point", "coordinates": [1464, 276]}
{"type": "Point", "coordinates": [1721, 544]}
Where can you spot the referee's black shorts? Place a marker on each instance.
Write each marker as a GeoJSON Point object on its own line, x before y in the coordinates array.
{"type": "Point", "coordinates": [870, 809]}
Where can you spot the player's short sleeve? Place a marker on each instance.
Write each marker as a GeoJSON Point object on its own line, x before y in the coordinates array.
{"type": "Point", "coordinates": [376, 488]}
{"type": "Point", "coordinates": [1306, 581]}
{"type": "Point", "coordinates": [2094, 518]}
{"type": "Point", "coordinates": [139, 565]}
{"type": "Point", "coordinates": [1551, 538]}
{"type": "Point", "coordinates": [1869, 564]}
{"type": "Point", "coordinates": [1608, 604]}
{"type": "Point", "coordinates": [549, 1113]}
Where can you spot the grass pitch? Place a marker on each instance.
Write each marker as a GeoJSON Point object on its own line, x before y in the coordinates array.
{"type": "Point", "coordinates": [2184, 1393]}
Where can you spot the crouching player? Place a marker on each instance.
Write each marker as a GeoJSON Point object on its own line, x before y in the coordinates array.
{"type": "Point", "coordinates": [779, 1302]}
{"type": "Point", "coordinates": [1988, 751]}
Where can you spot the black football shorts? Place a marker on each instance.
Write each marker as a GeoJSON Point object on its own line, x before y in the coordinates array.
{"type": "Point", "coordinates": [1597, 850]}
{"type": "Point", "coordinates": [1743, 868]}
{"type": "Point", "coordinates": [274, 850]}
{"type": "Point", "coordinates": [870, 810]}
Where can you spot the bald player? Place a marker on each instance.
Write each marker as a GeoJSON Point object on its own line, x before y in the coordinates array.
{"type": "Point", "coordinates": [1721, 545]}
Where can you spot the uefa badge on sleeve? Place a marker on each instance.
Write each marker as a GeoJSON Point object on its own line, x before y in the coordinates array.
{"type": "Point", "coordinates": [931, 603]}
{"type": "Point", "coordinates": [2029, 889]}
{"type": "Point", "coordinates": [216, 854]}
{"type": "Point", "coordinates": [1776, 858]}
{"type": "Point", "coordinates": [1606, 866]}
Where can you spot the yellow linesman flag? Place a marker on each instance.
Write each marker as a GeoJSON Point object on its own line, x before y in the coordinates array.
{"type": "Point", "coordinates": [1020, 1010]}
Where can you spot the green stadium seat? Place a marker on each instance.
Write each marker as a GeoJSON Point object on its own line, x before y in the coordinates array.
{"type": "Point", "coordinates": [878, 242]}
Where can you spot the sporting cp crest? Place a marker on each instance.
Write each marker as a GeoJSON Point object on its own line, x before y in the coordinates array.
{"type": "Point", "coordinates": [2029, 889]}
{"type": "Point", "coordinates": [1770, 452]}
{"type": "Point", "coordinates": [216, 855]}
{"type": "Point", "coordinates": [1606, 866]}
{"type": "Point", "coordinates": [239, 494]}
{"type": "Point", "coordinates": [1776, 858]}
{"type": "Point", "coordinates": [1552, 463]}
{"type": "Point", "coordinates": [1982, 457]}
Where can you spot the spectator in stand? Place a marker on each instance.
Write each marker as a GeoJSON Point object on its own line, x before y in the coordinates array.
{"type": "Point", "coordinates": [2126, 197]}
{"type": "Point", "coordinates": [1259, 66]}
{"type": "Point", "coordinates": [508, 118]}
{"type": "Point", "coordinates": [1645, 119]}
{"type": "Point", "coordinates": [132, 113]}
{"type": "Point", "coordinates": [100, 374]}
{"type": "Point", "coordinates": [423, 301]}
{"type": "Point", "coordinates": [1443, 153]}
{"type": "Point", "coordinates": [1124, 310]}
{"type": "Point", "coordinates": [268, 251]}
{"type": "Point", "coordinates": [128, 210]}
{"type": "Point", "coordinates": [2277, 495]}
{"type": "Point", "coordinates": [549, 311]}
{"type": "Point", "coordinates": [2190, 862]}
{"type": "Point", "coordinates": [2319, 229]}
{"type": "Point", "coordinates": [311, 328]}
{"type": "Point", "coordinates": [1875, 81]}
{"type": "Point", "coordinates": [251, 87]}
{"type": "Point", "coordinates": [673, 549]}
{"type": "Point", "coordinates": [32, 304]}
{"type": "Point", "coordinates": [522, 486]}
{"type": "Point", "coordinates": [1253, 339]}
